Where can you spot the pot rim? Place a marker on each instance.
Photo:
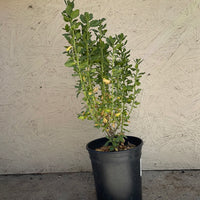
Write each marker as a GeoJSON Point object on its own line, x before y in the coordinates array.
{"type": "Point", "coordinates": [115, 152]}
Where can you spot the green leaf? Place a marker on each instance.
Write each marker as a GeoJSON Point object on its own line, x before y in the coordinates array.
{"type": "Point", "coordinates": [107, 143]}
{"type": "Point", "coordinates": [137, 103]}
{"type": "Point", "coordinates": [138, 61]}
{"type": "Point", "coordinates": [121, 137]}
{"type": "Point", "coordinates": [138, 90]}
{"type": "Point", "coordinates": [88, 16]}
{"type": "Point", "coordinates": [130, 87]}
{"type": "Point", "coordinates": [129, 81]}
{"type": "Point", "coordinates": [77, 93]}
{"type": "Point", "coordinates": [79, 49]}
{"type": "Point", "coordinates": [102, 19]}
{"type": "Point", "coordinates": [118, 46]}
{"type": "Point", "coordinates": [83, 19]}
{"type": "Point", "coordinates": [94, 23]}
{"type": "Point", "coordinates": [67, 37]}
{"type": "Point", "coordinates": [67, 19]}
{"type": "Point", "coordinates": [75, 75]}
{"type": "Point", "coordinates": [77, 24]}
{"type": "Point", "coordinates": [67, 28]}
{"type": "Point", "coordinates": [81, 117]}
{"type": "Point", "coordinates": [78, 35]}
{"type": "Point", "coordinates": [75, 14]}
{"type": "Point", "coordinates": [137, 83]}
{"type": "Point", "coordinates": [111, 148]}
{"type": "Point", "coordinates": [70, 63]}
{"type": "Point", "coordinates": [126, 130]}
{"type": "Point", "coordinates": [70, 6]}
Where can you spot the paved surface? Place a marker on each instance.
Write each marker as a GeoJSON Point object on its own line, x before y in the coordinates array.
{"type": "Point", "coordinates": [157, 185]}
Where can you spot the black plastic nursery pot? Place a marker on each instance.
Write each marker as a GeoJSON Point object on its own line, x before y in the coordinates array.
{"type": "Point", "coordinates": [117, 175]}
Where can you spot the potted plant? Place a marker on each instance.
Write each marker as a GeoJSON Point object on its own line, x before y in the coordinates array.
{"type": "Point", "coordinates": [109, 86]}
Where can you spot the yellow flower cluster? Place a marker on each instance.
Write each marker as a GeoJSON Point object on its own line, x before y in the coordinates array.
{"type": "Point", "coordinates": [117, 114]}
{"type": "Point", "coordinates": [106, 81]}
{"type": "Point", "coordinates": [68, 48]}
{"type": "Point", "coordinates": [95, 89]}
{"type": "Point", "coordinates": [105, 120]}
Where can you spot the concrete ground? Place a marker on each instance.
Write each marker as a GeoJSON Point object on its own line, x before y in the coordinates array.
{"type": "Point", "coordinates": [157, 185]}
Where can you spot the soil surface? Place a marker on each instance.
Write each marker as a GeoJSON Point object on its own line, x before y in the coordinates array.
{"type": "Point", "coordinates": [122, 147]}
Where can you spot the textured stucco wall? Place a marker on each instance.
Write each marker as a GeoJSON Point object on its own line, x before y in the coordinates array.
{"type": "Point", "coordinates": [39, 131]}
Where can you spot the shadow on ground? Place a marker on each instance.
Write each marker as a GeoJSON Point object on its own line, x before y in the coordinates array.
{"type": "Point", "coordinates": [157, 185]}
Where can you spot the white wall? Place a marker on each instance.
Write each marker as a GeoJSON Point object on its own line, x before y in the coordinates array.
{"type": "Point", "coordinates": [39, 131]}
